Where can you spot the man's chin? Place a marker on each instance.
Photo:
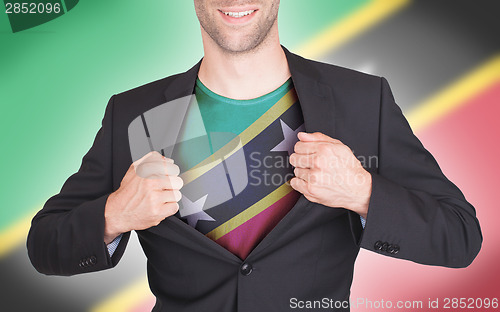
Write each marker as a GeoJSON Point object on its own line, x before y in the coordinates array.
{"type": "Point", "coordinates": [239, 45]}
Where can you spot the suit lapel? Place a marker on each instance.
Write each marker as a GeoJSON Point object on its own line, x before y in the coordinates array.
{"type": "Point", "coordinates": [181, 87]}
{"type": "Point", "coordinates": [183, 84]}
{"type": "Point", "coordinates": [318, 107]}
{"type": "Point", "coordinates": [316, 98]}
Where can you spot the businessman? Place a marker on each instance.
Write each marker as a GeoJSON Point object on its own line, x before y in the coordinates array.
{"type": "Point", "coordinates": [223, 226]}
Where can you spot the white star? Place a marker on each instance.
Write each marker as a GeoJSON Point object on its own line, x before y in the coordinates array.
{"type": "Point", "coordinates": [290, 138]}
{"type": "Point", "coordinates": [193, 211]}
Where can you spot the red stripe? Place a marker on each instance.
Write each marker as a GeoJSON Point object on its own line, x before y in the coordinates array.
{"type": "Point", "coordinates": [465, 143]}
{"type": "Point", "coordinates": [244, 238]}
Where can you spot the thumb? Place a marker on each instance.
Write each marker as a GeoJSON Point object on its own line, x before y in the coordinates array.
{"type": "Point", "coordinates": [316, 137]}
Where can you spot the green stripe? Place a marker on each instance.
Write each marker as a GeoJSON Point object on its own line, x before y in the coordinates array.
{"type": "Point", "coordinates": [55, 80]}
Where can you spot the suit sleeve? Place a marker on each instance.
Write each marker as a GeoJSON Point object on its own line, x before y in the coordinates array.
{"type": "Point", "coordinates": [67, 236]}
{"type": "Point", "coordinates": [415, 212]}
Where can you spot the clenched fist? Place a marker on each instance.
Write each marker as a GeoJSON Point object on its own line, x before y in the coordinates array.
{"type": "Point", "coordinates": [148, 193]}
{"type": "Point", "coordinates": [327, 172]}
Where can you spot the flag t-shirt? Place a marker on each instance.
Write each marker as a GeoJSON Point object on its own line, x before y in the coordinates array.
{"type": "Point", "coordinates": [234, 160]}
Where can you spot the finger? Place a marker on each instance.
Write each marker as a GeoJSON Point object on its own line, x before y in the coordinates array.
{"type": "Point", "coordinates": [302, 187]}
{"type": "Point", "coordinates": [320, 148]}
{"type": "Point", "coordinates": [302, 147]}
{"type": "Point", "coordinates": [150, 170]}
{"type": "Point", "coordinates": [311, 176]}
{"type": "Point", "coordinates": [301, 173]}
{"type": "Point", "coordinates": [143, 158]}
{"type": "Point", "coordinates": [157, 169]}
{"type": "Point", "coordinates": [163, 184]}
{"type": "Point", "coordinates": [302, 161]}
{"type": "Point", "coordinates": [316, 137]}
{"type": "Point", "coordinates": [135, 164]}
{"type": "Point", "coordinates": [171, 208]}
{"type": "Point", "coordinates": [172, 183]}
{"type": "Point", "coordinates": [172, 169]}
{"type": "Point", "coordinates": [157, 157]}
{"type": "Point", "coordinates": [171, 196]}
{"type": "Point", "coordinates": [299, 185]}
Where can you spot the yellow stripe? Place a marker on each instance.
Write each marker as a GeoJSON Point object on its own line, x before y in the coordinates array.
{"type": "Point", "coordinates": [14, 235]}
{"type": "Point", "coordinates": [455, 95]}
{"type": "Point", "coordinates": [340, 32]}
{"type": "Point", "coordinates": [127, 298]}
{"type": "Point", "coordinates": [246, 136]}
{"type": "Point", "coordinates": [250, 212]}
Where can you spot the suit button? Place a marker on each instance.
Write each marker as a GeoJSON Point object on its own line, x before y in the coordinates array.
{"type": "Point", "coordinates": [384, 246]}
{"type": "Point", "coordinates": [396, 249]}
{"type": "Point", "coordinates": [246, 269]}
{"type": "Point", "coordinates": [390, 249]}
{"type": "Point", "coordinates": [378, 245]}
{"type": "Point", "coordinates": [93, 260]}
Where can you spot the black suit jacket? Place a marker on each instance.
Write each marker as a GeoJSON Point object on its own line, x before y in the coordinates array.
{"type": "Point", "coordinates": [415, 212]}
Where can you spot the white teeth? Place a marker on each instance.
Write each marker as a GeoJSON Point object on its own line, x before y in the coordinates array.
{"type": "Point", "coordinates": [239, 14]}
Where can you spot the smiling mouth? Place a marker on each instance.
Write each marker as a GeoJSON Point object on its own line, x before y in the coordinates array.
{"type": "Point", "coordinates": [239, 14]}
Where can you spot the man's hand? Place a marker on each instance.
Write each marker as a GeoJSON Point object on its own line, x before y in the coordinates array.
{"type": "Point", "coordinates": [328, 173]}
{"type": "Point", "coordinates": [148, 193]}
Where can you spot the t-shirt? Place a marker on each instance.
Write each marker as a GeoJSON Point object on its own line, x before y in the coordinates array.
{"type": "Point", "coordinates": [234, 160]}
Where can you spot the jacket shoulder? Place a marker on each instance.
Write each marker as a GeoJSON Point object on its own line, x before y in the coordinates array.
{"type": "Point", "coordinates": [334, 75]}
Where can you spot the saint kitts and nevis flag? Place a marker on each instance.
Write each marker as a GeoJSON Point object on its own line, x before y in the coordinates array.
{"type": "Point", "coordinates": [441, 57]}
{"type": "Point", "coordinates": [235, 183]}
{"type": "Point", "coordinates": [239, 192]}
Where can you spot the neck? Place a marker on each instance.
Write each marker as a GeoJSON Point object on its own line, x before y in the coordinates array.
{"type": "Point", "coordinates": [245, 75]}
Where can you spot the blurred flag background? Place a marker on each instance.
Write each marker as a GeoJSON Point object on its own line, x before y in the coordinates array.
{"type": "Point", "coordinates": [441, 57]}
